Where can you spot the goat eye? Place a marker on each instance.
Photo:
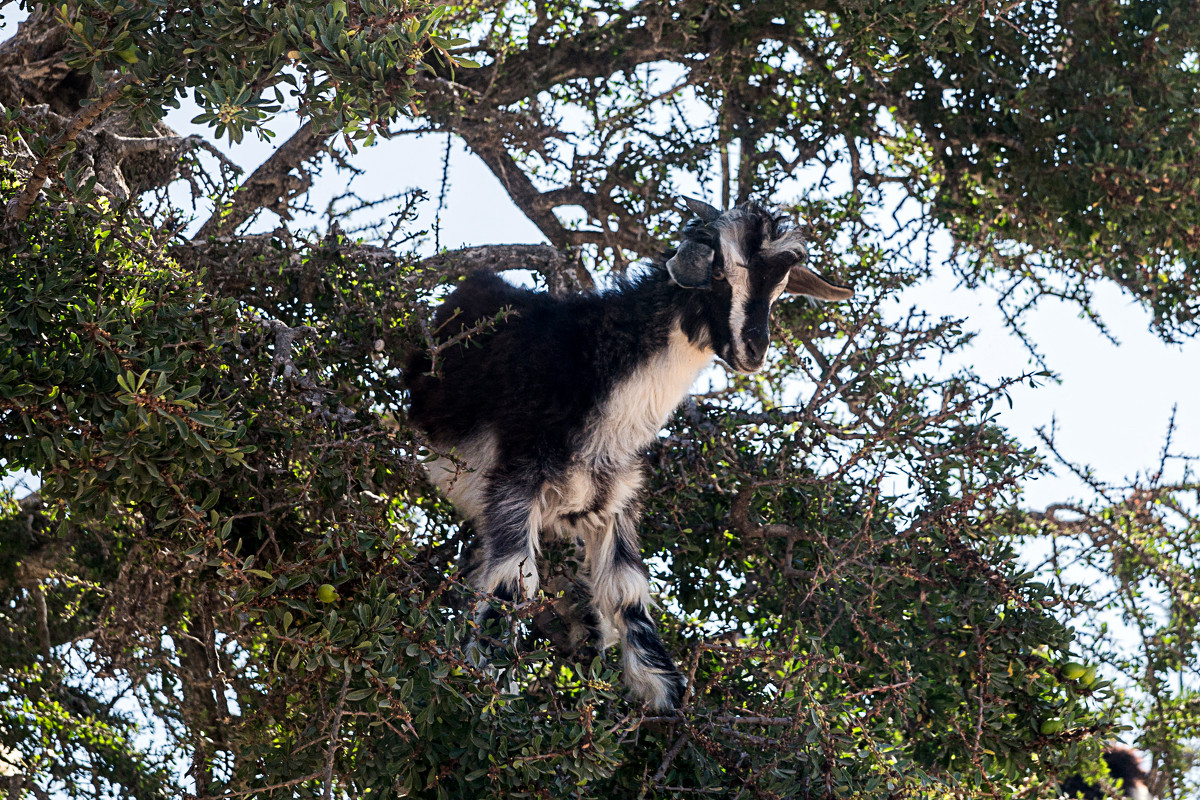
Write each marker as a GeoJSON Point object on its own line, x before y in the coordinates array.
{"type": "Point", "coordinates": [718, 274]}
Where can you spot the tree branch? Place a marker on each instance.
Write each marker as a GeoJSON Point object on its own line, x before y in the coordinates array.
{"type": "Point", "coordinates": [739, 516]}
{"type": "Point", "coordinates": [497, 258]}
{"type": "Point", "coordinates": [650, 31]}
{"type": "Point", "coordinates": [19, 208]}
{"type": "Point", "coordinates": [271, 184]}
{"type": "Point", "coordinates": [669, 758]}
{"type": "Point", "coordinates": [490, 149]}
{"type": "Point", "coordinates": [563, 273]}
{"type": "Point", "coordinates": [258, 789]}
{"type": "Point", "coordinates": [43, 620]}
{"type": "Point", "coordinates": [484, 131]}
{"type": "Point", "coordinates": [333, 737]}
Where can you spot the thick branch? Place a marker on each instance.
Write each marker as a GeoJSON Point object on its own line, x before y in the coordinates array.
{"type": "Point", "coordinates": [19, 209]}
{"type": "Point", "coordinates": [483, 129]}
{"type": "Point", "coordinates": [334, 741]}
{"type": "Point", "coordinates": [32, 70]}
{"type": "Point", "coordinates": [486, 143]}
{"type": "Point", "coordinates": [650, 31]}
{"type": "Point", "coordinates": [739, 516]}
{"type": "Point", "coordinates": [43, 620]}
{"type": "Point", "coordinates": [540, 258]}
{"type": "Point", "coordinates": [271, 185]}
{"type": "Point", "coordinates": [563, 274]}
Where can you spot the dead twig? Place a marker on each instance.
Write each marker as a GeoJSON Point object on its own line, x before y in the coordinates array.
{"type": "Point", "coordinates": [271, 185]}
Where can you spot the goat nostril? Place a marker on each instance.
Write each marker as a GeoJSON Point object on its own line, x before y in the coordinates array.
{"type": "Point", "coordinates": [756, 348]}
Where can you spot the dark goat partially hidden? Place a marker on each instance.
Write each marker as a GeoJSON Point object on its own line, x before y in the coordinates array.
{"type": "Point", "coordinates": [1125, 772]}
{"type": "Point", "coordinates": [550, 409]}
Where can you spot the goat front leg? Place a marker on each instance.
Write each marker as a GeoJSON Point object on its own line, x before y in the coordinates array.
{"type": "Point", "coordinates": [506, 560]}
{"type": "Point", "coordinates": [621, 597]}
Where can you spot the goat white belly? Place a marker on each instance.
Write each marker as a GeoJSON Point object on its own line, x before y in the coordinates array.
{"type": "Point", "coordinates": [590, 496]}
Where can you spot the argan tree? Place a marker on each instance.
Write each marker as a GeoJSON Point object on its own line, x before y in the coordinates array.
{"type": "Point", "coordinates": [232, 580]}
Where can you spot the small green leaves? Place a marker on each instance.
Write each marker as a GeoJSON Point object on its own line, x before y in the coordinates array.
{"type": "Point", "coordinates": [348, 68]}
{"type": "Point", "coordinates": [238, 529]}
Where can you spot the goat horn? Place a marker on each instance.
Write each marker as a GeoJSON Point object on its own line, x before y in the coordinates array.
{"type": "Point", "coordinates": [701, 209]}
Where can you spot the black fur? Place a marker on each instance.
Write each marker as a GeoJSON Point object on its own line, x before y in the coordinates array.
{"type": "Point", "coordinates": [559, 359]}
{"type": "Point", "coordinates": [643, 639]}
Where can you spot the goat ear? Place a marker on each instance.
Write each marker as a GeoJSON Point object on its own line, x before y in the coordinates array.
{"type": "Point", "coordinates": [701, 209]}
{"type": "Point", "coordinates": [691, 266]}
{"type": "Point", "coordinates": [802, 280]}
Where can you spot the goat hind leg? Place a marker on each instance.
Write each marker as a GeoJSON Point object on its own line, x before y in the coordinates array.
{"type": "Point", "coordinates": [507, 564]}
{"type": "Point", "coordinates": [621, 596]}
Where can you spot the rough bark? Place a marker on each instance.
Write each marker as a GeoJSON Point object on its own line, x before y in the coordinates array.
{"type": "Point", "coordinates": [562, 272]}
{"type": "Point", "coordinates": [489, 131]}
{"type": "Point", "coordinates": [32, 70]}
{"type": "Point", "coordinates": [126, 158]}
{"type": "Point", "coordinates": [82, 120]}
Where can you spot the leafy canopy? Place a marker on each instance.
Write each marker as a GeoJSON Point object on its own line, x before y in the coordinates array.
{"type": "Point", "coordinates": [233, 580]}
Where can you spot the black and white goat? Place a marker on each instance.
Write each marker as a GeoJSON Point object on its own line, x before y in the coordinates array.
{"type": "Point", "coordinates": [550, 409]}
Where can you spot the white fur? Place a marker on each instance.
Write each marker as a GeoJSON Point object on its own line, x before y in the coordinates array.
{"type": "Point", "coordinates": [613, 587]}
{"type": "Point", "coordinates": [640, 404]}
{"type": "Point", "coordinates": [730, 227]}
{"type": "Point", "coordinates": [739, 281]}
{"type": "Point", "coordinates": [628, 420]}
{"type": "Point", "coordinates": [521, 568]}
{"type": "Point", "coordinates": [645, 681]}
{"type": "Point", "coordinates": [466, 485]}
